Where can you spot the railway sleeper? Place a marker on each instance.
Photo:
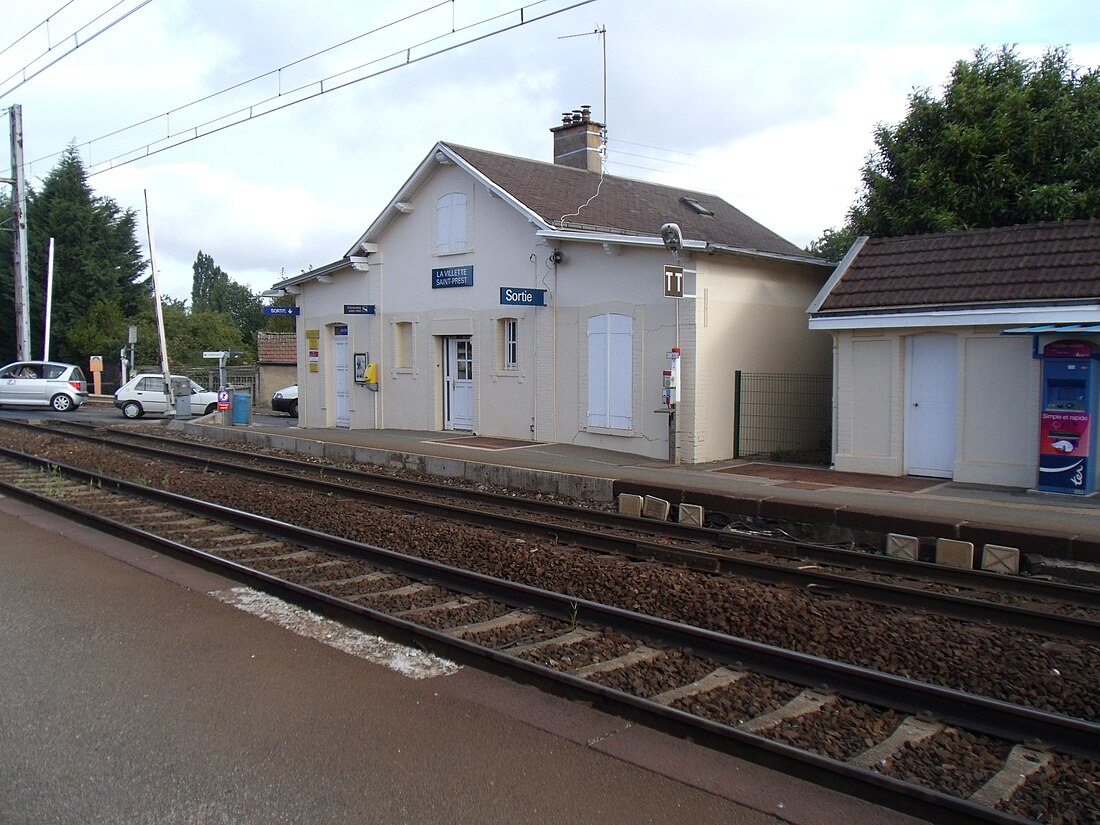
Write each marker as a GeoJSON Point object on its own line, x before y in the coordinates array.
{"type": "Point", "coordinates": [636, 656]}
{"type": "Point", "coordinates": [808, 701]}
{"type": "Point", "coordinates": [507, 620]}
{"type": "Point", "coordinates": [1022, 763]}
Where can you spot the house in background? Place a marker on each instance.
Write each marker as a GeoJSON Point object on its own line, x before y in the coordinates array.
{"type": "Point", "coordinates": [939, 345]}
{"type": "Point", "coordinates": [526, 300]}
{"type": "Point", "coordinates": [277, 358]}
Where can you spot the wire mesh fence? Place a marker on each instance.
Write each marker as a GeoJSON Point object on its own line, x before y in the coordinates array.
{"type": "Point", "coordinates": [783, 417]}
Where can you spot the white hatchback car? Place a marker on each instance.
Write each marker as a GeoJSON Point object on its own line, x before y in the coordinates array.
{"type": "Point", "coordinates": [145, 393]}
{"type": "Point", "coordinates": [42, 384]}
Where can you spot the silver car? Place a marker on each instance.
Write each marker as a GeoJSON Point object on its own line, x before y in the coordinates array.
{"type": "Point", "coordinates": [42, 384]}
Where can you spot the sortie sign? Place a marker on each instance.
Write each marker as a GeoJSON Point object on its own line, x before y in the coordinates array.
{"type": "Point", "coordinates": [522, 296]}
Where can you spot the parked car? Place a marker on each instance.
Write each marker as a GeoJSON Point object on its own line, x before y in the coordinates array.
{"type": "Point", "coordinates": [145, 393]}
{"type": "Point", "coordinates": [43, 384]}
{"type": "Point", "coordinates": [286, 400]}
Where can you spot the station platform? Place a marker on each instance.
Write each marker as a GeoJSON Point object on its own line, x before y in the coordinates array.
{"type": "Point", "coordinates": [1049, 529]}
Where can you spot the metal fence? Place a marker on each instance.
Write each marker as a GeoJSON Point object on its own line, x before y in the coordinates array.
{"type": "Point", "coordinates": [783, 417]}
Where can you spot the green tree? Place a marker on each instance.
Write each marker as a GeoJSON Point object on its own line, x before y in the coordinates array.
{"type": "Point", "coordinates": [213, 291]}
{"type": "Point", "coordinates": [97, 261]}
{"type": "Point", "coordinates": [1010, 141]}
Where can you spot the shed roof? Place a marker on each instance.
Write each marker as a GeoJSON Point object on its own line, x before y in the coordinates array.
{"type": "Point", "coordinates": [1044, 263]}
{"type": "Point", "coordinates": [277, 347]}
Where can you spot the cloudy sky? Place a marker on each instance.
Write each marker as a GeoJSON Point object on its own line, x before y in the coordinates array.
{"type": "Point", "coordinates": [269, 134]}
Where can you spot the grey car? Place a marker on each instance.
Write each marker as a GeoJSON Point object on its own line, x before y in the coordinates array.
{"type": "Point", "coordinates": [43, 384]}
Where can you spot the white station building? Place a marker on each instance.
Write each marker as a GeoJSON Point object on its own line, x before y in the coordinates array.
{"type": "Point", "coordinates": [528, 300]}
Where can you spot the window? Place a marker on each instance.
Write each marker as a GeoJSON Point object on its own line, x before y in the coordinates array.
{"type": "Point", "coordinates": [610, 371]}
{"type": "Point", "coordinates": [450, 224]}
{"type": "Point", "coordinates": [403, 345]}
{"type": "Point", "coordinates": [508, 335]}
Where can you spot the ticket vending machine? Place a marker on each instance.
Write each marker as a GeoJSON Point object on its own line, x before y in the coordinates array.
{"type": "Point", "coordinates": [1067, 431]}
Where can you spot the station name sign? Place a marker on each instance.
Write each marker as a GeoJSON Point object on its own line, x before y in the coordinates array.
{"type": "Point", "coordinates": [452, 276]}
{"type": "Point", "coordinates": [281, 310]}
{"type": "Point", "coordinates": [522, 296]}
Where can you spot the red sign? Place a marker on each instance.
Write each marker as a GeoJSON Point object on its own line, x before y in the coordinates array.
{"type": "Point", "coordinates": [1064, 433]}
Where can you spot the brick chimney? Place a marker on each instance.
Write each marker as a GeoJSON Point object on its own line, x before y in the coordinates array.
{"type": "Point", "coordinates": [577, 141]}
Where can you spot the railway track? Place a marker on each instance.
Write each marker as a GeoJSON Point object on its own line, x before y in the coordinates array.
{"type": "Point", "coordinates": [876, 734]}
{"type": "Point", "coordinates": [1019, 602]}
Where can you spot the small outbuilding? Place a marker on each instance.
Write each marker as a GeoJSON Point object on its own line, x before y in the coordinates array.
{"type": "Point", "coordinates": [940, 343]}
{"type": "Point", "coordinates": [532, 301]}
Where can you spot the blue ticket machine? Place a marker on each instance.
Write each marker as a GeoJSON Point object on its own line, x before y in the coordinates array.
{"type": "Point", "coordinates": [1067, 439]}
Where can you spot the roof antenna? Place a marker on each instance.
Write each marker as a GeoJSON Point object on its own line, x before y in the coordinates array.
{"type": "Point", "coordinates": [601, 32]}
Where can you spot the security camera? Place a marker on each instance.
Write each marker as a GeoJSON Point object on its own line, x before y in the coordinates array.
{"type": "Point", "coordinates": [671, 235]}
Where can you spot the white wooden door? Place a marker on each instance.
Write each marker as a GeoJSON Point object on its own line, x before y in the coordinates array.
{"type": "Point", "coordinates": [458, 384]}
{"type": "Point", "coordinates": [340, 372]}
{"type": "Point", "coordinates": [930, 377]}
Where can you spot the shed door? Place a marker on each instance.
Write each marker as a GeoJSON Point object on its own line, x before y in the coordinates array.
{"type": "Point", "coordinates": [930, 375]}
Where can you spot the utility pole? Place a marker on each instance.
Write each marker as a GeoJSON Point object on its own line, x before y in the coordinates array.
{"type": "Point", "coordinates": [19, 239]}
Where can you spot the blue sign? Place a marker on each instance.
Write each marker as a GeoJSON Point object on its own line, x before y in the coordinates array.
{"type": "Point", "coordinates": [359, 309]}
{"type": "Point", "coordinates": [281, 310]}
{"type": "Point", "coordinates": [522, 296]}
{"type": "Point", "coordinates": [452, 276]}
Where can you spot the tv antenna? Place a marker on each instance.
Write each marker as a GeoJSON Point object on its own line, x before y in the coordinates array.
{"type": "Point", "coordinates": [600, 32]}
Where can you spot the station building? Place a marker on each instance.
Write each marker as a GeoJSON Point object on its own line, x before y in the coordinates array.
{"type": "Point", "coordinates": [968, 355]}
{"type": "Point", "coordinates": [529, 300]}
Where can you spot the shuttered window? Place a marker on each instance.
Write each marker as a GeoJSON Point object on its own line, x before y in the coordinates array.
{"type": "Point", "coordinates": [450, 228]}
{"type": "Point", "coordinates": [610, 371]}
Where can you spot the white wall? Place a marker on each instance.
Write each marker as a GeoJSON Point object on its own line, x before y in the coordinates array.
{"type": "Point", "coordinates": [997, 407]}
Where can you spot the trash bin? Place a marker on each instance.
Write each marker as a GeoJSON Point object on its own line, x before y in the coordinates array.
{"type": "Point", "coordinates": [242, 408]}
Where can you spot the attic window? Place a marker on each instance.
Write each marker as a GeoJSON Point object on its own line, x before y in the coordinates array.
{"type": "Point", "coordinates": [696, 207]}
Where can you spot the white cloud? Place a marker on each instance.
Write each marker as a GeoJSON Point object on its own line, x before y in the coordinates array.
{"type": "Point", "coordinates": [770, 106]}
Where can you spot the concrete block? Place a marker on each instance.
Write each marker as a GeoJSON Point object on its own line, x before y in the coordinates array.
{"type": "Point", "coordinates": [1000, 559]}
{"type": "Point", "coordinates": [691, 514]}
{"type": "Point", "coordinates": [955, 553]}
{"type": "Point", "coordinates": [630, 504]}
{"type": "Point", "coordinates": [655, 508]}
{"type": "Point", "coordinates": [902, 547]}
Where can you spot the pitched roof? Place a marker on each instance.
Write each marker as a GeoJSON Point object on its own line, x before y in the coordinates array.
{"type": "Point", "coordinates": [1043, 263]}
{"type": "Point", "coordinates": [277, 347]}
{"type": "Point", "coordinates": [563, 197]}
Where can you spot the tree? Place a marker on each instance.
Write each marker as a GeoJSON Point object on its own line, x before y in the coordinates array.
{"type": "Point", "coordinates": [97, 260]}
{"type": "Point", "coordinates": [213, 291]}
{"type": "Point", "coordinates": [1011, 141]}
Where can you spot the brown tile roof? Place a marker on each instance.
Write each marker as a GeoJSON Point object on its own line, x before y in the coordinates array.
{"type": "Point", "coordinates": [1043, 263]}
{"type": "Point", "coordinates": [277, 347]}
{"type": "Point", "coordinates": [632, 207]}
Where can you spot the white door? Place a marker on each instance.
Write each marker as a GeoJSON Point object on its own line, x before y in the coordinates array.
{"type": "Point", "coordinates": [930, 375]}
{"type": "Point", "coordinates": [341, 371]}
{"type": "Point", "coordinates": [458, 384]}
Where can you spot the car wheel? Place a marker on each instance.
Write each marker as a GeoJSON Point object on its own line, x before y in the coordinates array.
{"type": "Point", "coordinates": [62, 403]}
{"type": "Point", "coordinates": [132, 409]}
{"type": "Point", "coordinates": [211, 408]}
{"type": "Point", "coordinates": [294, 410]}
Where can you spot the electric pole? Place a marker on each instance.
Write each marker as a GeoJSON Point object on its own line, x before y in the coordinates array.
{"type": "Point", "coordinates": [19, 239]}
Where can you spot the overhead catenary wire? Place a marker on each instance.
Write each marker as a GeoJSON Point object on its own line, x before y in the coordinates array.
{"type": "Point", "coordinates": [326, 85]}
{"type": "Point", "coordinates": [76, 45]}
{"type": "Point", "coordinates": [35, 28]}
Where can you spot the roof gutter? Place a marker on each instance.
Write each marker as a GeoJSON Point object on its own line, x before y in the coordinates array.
{"type": "Point", "coordinates": [962, 317]}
